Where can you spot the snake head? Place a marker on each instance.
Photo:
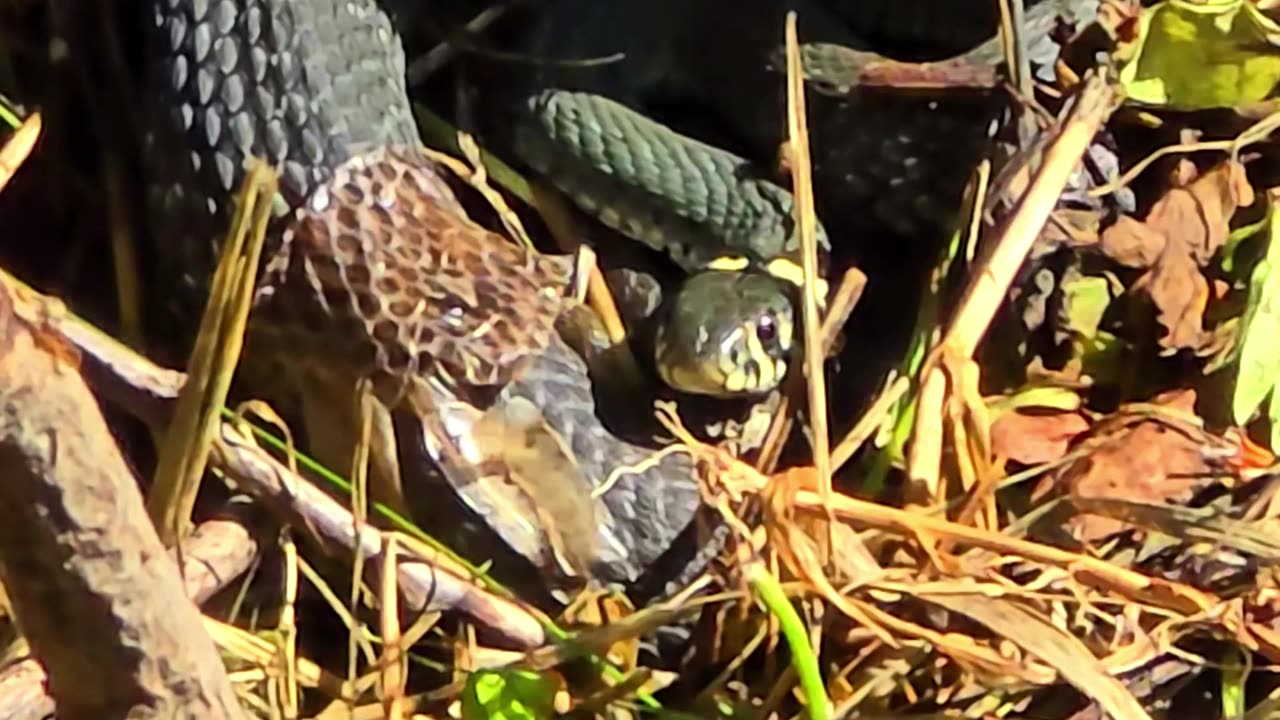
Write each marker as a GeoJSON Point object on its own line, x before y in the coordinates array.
{"type": "Point", "coordinates": [728, 334]}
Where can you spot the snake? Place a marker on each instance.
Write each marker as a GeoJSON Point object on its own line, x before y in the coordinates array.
{"type": "Point", "coordinates": [583, 129]}
{"type": "Point", "coordinates": [374, 271]}
{"type": "Point", "coordinates": [316, 88]}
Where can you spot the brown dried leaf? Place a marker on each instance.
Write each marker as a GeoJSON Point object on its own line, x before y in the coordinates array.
{"type": "Point", "coordinates": [1072, 227]}
{"type": "Point", "coordinates": [1035, 438]}
{"type": "Point", "coordinates": [1179, 236]}
{"type": "Point", "coordinates": [1142, 458]}
{"type": "Point", "coordinates": [1037, 634]}
{"type": "Point", "coordinates": [1197, 215]}
{"type": "Point", "coordinates": [1132, 243]}
{"type": "Point", "coordinates": [1180, 293]}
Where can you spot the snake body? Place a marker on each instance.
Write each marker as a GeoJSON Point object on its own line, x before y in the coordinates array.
{"type": "Point", "coordinates": [892, 161]}
{"type": "Point", "coordinates": [316, 88]}
{"type": "Point", "coordinates": [303, 85]}
{"type": "Point", "coordinates": [311, 86]}
{"type": "Point", "coordinates": [892, 164]}
{"type": "Point", "coordinates": [666, 190]}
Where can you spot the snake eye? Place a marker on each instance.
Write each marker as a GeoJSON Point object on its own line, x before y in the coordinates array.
{"type": "Point", "coordinates": [767, 330]}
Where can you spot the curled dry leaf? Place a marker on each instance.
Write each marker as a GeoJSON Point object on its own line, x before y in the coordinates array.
{"type": "Point", "coordinates": [1179, 236]}
{"type": "Point", "coordinates": [1180, 293]}
{"type": "Point", "coordinates": [1034, 438]}
{"type": "Point", "coordinates": [1132, 243]}
{"type": "Point", "coordinates": [1141, 456]}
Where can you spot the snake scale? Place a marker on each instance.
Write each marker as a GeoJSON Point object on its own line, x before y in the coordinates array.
{"type": "Point", "coordinates": [890, 159]}
{"type": "Point", "coordinates": [317, 89]}
{"type": "Point", "coordinates": [311, 86]}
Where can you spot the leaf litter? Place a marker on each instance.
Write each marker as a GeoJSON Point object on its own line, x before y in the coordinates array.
{"type": "Point", "coordinates": [1081, 518]}
{"type": "Point", "coordinates": [1089, 527]}
{"type": "Point", "coordinates": [1138, 557]}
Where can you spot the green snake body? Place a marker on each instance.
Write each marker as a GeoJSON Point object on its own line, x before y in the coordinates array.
{"type": "Point", "coordinates": [585, 127]}
{"type": "Point", "coordinates": [694, 201]}
{"type": "Point", "coordinates": [676, 194]}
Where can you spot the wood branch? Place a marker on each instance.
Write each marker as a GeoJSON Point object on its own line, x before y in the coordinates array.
{"type": "Point", "coordinates": [215, 554]}
{"type": "Point", "coordinates": [428, 583]}
{"type": "Point", "coordinates": [92, 589]}
{"type": "Point", "coordinates": [222, 549]}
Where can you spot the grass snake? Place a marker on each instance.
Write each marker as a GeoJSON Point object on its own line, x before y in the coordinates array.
{"type": "Point", "coordinates": [317, 88]}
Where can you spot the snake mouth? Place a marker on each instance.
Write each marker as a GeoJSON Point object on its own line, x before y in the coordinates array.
{"type": "Point", "coordinates": [745, 362]}
{"type": "Point", "coordinates": [748, 364]}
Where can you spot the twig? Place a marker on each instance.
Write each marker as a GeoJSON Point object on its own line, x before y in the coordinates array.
{"type": "Point", "coordinates": [428, 582]}
{"type": "Point", "coordinates": [867, 424]}
{"type": "Point", "coordinates": [215, 554]}
{"type": "Point", "coordinates": [846, 299]}
{"type": "Point", "coordinates": [739, 478]}
{"type": "Point", "coordinates": [1012, 21]}
{"type": "Point", "coordinates": [802, 177]}
{"type": "Point", "coordinates": [437, 57]}
{"type": "Point", "coordinates": [90, 584]}
{"type": "Point", "coordinates": [185, 449]}
{"type": "Point", "coordinates": [1255, 133]}
{"type": "Point", "coordinates": [18, 147]}
{"type": "Point", "coordinates": [989, 284]}
{"type": "Point", "coordinates": [393, 662]}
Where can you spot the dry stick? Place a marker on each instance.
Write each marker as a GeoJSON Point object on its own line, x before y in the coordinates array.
{"type": "Point", "coordinates": [214, 555]}
{"type": "Point", "coordinates": [92, 588]}
{"type": "Point", "coordinates": [1126, 582]}
{"type": "Point", "coordinates": [148, 391]}
{"type": "Point", "coordinates": [393, 668]}
{"type": "Point", "coordinates": [1012, 19]}
{"type": "Point", "coordinates": [438, 56]}
{"type": "Point", "coordinates": [18, 147]}
{"type": "Point", "coordinates": [846, 299]}
{"type": "Point", "coordinates": [924, 454]}
{"type": "Point", "coordinates": [182, 455]}
{"type": "Point", "coordinates": [429, 583]}
{"type": "Point", "coordinates": [1255, 133]}
{"type": "Point", "coordinates": [1129, 583]}
{"type": "Point", "coordinates": [802, 177]}
{"type": "Point", "coordinates": [869, 422]}
{"type": "Point", "coordinates": [987, 288]}
{"type": "Point", "coordinates": [559, 221]}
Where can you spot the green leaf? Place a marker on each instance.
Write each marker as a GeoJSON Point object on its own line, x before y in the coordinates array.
{"type": "Point", "coordinates": [1259, 365]}
{"type": "Point", "coordinates": [508, 695]}
{"type": "Point", "coordinates": [1235, 672]}
{"type": "Point", "coordinates": [1273, 414]}
{"type": "Point", "coordinates": [1217, 53]}
{"type": "Point", "coordinates": [769, 591]}
{"type": "Point", "coordinates": [1053, 398]}
{"type": "Point", "coordinates": [1101, 356]}
{"type": "Point", "coordinates": [1084, 301]}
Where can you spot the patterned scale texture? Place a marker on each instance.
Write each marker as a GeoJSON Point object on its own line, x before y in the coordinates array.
{"type": "Point", "coordinates": [316, 88]}
{"type": "Point", "coordinates": [304, 85]}
{"type": "Point", "coordinates": [383, 269]}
